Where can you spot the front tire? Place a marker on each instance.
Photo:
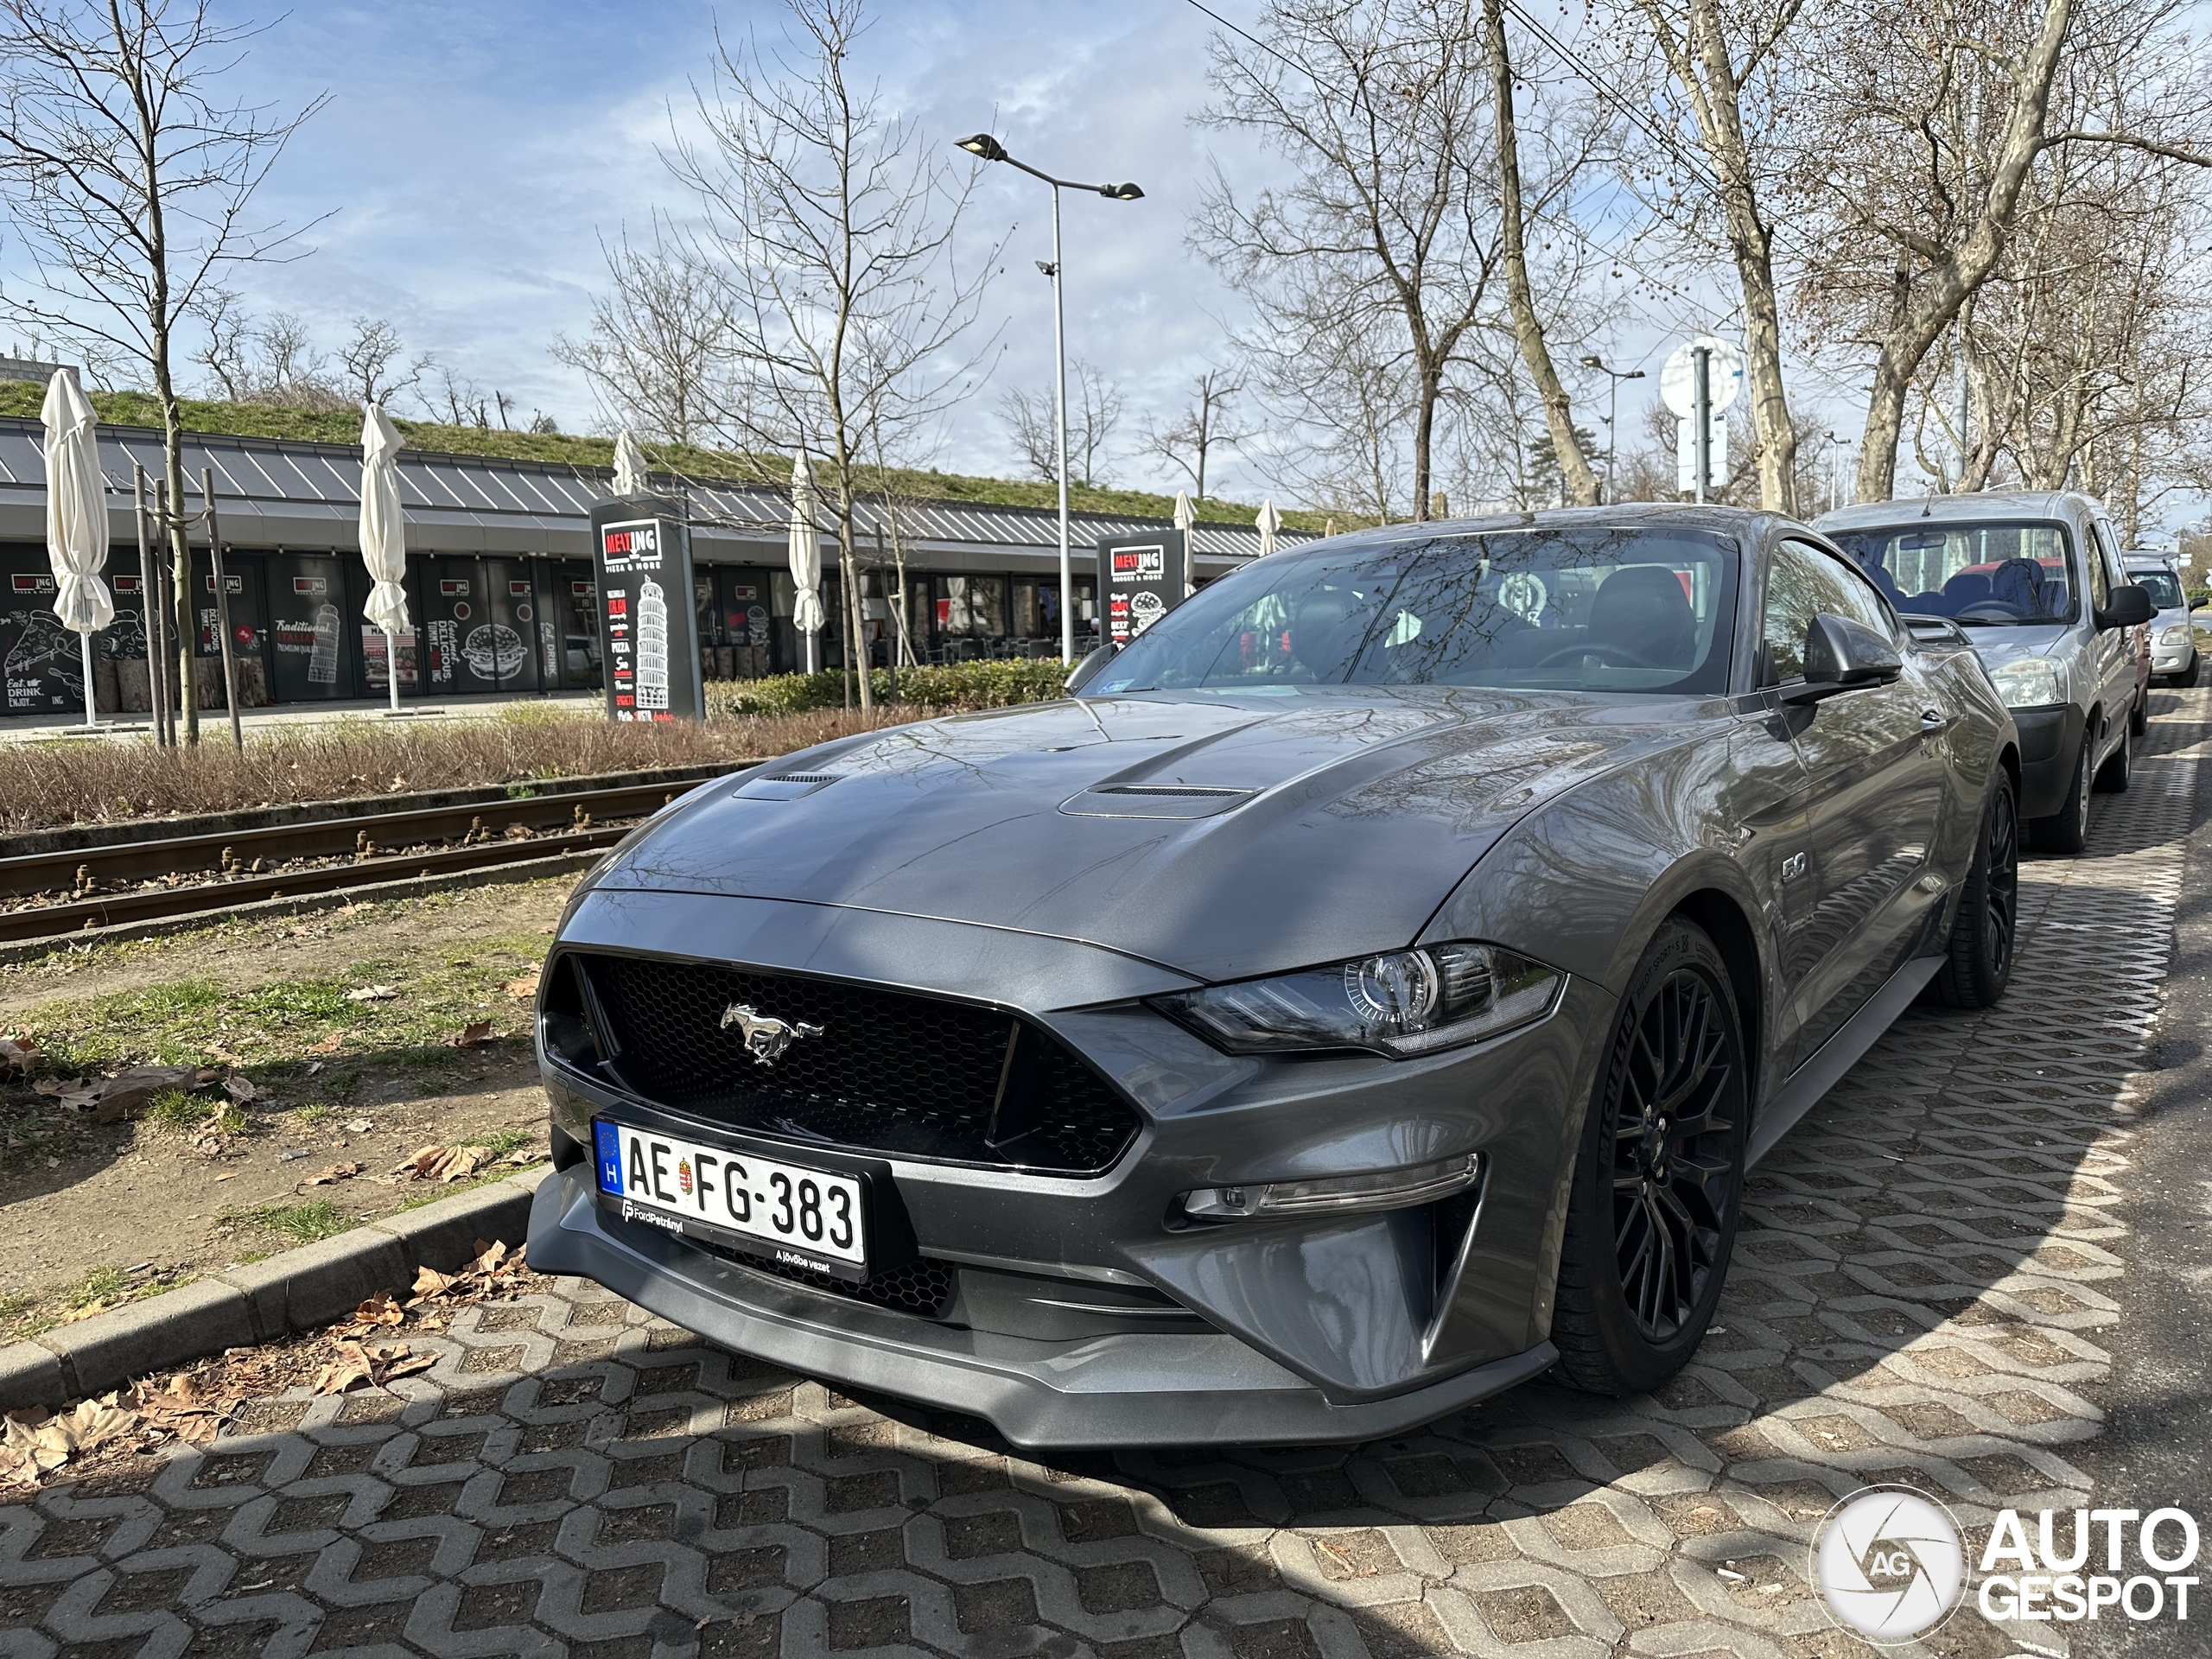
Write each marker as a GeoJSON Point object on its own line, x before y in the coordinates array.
{"type": "Point", "coordinates": [2138, 717]}
{"type": "Point", "coordinates": [1658, 1185]}
{"type": "Point", "coordinates": [1978, 962]}
{"type": "Point", "coordinates": [2187, 677]}
{"type": "Point", "coordinates": [2066, 831]}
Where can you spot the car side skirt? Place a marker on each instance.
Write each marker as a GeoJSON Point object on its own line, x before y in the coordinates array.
{"type": "Point", "coordinates": [1838, 1054]}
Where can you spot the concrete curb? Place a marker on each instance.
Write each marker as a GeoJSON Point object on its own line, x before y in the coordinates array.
{"type": "Point", "coordinates": [297, 1291]}
{"type": "Point", "coordinates": [409, 887]}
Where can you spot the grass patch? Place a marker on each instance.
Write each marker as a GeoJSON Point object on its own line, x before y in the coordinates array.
{"type": "Point", "coordinates": [500, 1142]}
{"type": "Point", "coordinates": [314, 1112]}
{"type": "Point", "coordinates": [270, 1027]}
{"type": "Point", "coordinates": [100, 1285]}
{"type": "Point", "coordinates": [173, 1109]}
{"type": "Point", "coordinates": [307, 1223]}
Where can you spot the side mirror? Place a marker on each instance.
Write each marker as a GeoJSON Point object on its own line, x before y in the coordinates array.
{"type": "Point", "coordinates": [1087, 671]}
{"type": "Point", "coordinates": [1842, 655]}
{"type": "Point", "coordinates": [2199, 604]}
{"type": "Point", "coordinates": [2130, 607]}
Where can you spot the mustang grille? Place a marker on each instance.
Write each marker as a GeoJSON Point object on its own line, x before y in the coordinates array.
{"type": "Point", "coordinates": [894, 1073]}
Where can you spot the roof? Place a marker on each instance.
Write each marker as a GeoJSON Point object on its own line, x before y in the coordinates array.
{"type": "Point", "coordinates": [286, 492]}
{"type": "Point", "coordinates": [1970, 505]}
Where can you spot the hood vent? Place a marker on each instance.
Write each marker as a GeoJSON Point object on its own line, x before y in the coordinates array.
{"type": "Point", "coordinates": [1154, 801]}
{"type": "Point", "coordinates": [784, 786]}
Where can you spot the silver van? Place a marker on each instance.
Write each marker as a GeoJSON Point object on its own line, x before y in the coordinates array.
{"type": "Point", "coordinates": [2034, 580]}
{"type": "Point", "coordinates": [2173, 636]}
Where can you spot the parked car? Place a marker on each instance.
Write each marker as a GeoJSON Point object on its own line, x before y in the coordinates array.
{"type": "Point", "coordinates": [2173, 635]}
{"type": "Point", "coordinates": [2034, 580]}
{"type": "Point", "coordinates": [1366, 994]}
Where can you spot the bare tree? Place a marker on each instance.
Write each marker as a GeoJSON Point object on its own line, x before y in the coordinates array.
{"type": "Point", "coordinates": [1922, 130]}
{"type": "Point", "coordinates": [129, 178]}
{"type": "Point", "coordinates": [1032, 421]}
{"type": "Point", "coordinates": [1718, 55]}
{"type": "Point", "coordinates": [375, 363]}
{"type": "Point", "coordinates": [660, 340]}
{"type": "Point", "coordinates": [1381, 231]}
{"type": "Point", "coordinates": [1187, 443]}
{"type": "Point", "coordinates": [831, 228]}
{"type": "Point", "coordinates": [1572, 466]}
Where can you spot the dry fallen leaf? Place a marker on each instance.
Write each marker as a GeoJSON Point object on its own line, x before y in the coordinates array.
{"type": "Point", "coordinates": [241, 1089]}
{"type": "Point", "coordinates": [357, 1126]}
{"type": "Point", "coordinates": [524, 989]}
{"type": "Point", "coordinates": [329, 1044]}
{"type": "Point", "coordinates": [373, 994]}
{"type": "Point", "coordinates": [444, 1163]}
{"type": "Point", "coordinates": [334, 1173]}
{"type": "Point", "coordinates": [474, 1034]}
{"type": "Point", "coordinates": [18, 1054]}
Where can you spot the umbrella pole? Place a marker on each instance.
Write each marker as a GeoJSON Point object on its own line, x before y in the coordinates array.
{"type": "Point", "coordinates": [92, 719]}
{"type": "Point", "coordinates": [391, 666]}
{"type": "Point", "coordinates": [222, 608]}
{"type": "Point", "coordinates": [149, 607]}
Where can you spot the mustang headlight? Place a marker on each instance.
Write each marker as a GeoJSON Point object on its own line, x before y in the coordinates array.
{"type": "Point", "coordinates": [2030, 681]}
{"type": "Point", "coordinates": [2177, 635]}
{"type": "Point", "coordinates": [1401, 1003]}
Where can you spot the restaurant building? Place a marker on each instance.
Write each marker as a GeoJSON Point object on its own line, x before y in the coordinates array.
{"type": "Point", "coordinates": [499, 576]}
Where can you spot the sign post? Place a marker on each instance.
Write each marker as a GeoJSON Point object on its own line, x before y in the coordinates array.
{"type": "Point", "coordinates": [641, 561]}
{"type": "Point", "coordinates": [1141, 577]}
{"type": "Point", "coordinates": [1701, 378]}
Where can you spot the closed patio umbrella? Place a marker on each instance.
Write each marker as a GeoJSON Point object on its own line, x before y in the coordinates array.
{"type": "Point", "coordinates": [807, 614]}
{"type": "Point", "coordinates": [1270, 521]}
{"type": "Point", "coordinates": [76, 517]}
{"type": "Point", "coordinates": [629, 465]}
{"type": "Point", "coordinates": [384, 535]}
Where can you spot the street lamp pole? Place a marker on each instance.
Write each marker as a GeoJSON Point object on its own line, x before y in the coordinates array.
{"type": "Point", "coordinates": [984, 147]}
{"type": "Point", "coordinates": [1613, 418]}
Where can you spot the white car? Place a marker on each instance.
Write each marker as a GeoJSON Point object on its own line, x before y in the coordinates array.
{"type": "Point", "coordinates": [2173, 636]}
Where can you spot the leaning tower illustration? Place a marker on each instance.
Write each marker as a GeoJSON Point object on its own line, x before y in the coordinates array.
{"type": "Point", "coordinates": [652, 646]}
{"type": "Point", "coordinates": [322, 657]}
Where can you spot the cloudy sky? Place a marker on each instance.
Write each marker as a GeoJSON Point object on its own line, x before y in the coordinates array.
{"type": "Point", "coordinates": [473, 154]}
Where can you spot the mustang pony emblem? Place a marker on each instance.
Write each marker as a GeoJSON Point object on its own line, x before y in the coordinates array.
{"type": "Point", "coordinates": [766, 1038]}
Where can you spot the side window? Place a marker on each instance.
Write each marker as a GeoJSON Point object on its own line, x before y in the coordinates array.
{"type": "Point", "coordinates": [2103, 561]}
{"type": "Point", "coordinates": [1803, 581]}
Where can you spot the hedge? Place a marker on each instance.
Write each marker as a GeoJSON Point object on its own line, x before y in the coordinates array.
{"type": "Point", "coordinates": [954, 687]}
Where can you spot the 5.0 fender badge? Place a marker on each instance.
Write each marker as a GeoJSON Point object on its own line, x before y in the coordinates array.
{"type": "Point", "coordinates": [766, 1038]}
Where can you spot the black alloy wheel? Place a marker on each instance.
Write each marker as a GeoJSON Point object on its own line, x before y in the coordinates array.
{"type": "Point", "coordinates": [1671, 1168]}
{"type": "Point", "coordinates": [1659, 1187]}
{"type": "Point", "coordinates": [1985, 932]}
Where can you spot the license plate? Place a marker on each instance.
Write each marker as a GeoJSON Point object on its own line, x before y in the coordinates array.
{"type": "Point", "coordinates": [807, 1216]}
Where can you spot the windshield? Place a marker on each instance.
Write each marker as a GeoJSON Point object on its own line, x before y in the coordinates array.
{"type": "Point", "coordinates": [2164, 591]}
{"type": "Point", "coordinates": [1989, 575]}
{"type": "Point", "coordinates": [1590, 609]}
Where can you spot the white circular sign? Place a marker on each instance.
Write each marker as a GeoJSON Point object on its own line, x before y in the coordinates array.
{"type": "Point", "coordinates": [1891, 1564]}
{"type": "Point", "coordinates": [1678, 380]}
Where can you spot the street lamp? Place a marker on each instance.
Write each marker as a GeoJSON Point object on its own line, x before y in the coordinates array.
{"type": "Point", "coordinates": [1613, 416]}
{"type": "Point", "coordinates": [984, 147]}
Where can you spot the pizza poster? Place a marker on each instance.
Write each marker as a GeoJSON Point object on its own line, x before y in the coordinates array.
{"type": "Point", "coordinates": [648, 639]}
{"type": "Point", "coordinates": [1141, 579]}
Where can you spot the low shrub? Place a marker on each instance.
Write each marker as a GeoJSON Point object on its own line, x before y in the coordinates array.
{"type": "Point", "coordinates": [953, 689]}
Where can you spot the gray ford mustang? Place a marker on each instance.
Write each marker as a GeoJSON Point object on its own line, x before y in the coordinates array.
{"type": "Point", "coordinates": [1365, 993]}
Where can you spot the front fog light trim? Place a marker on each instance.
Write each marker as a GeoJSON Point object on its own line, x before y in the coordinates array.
{"type": "Point", "coordinates": [1387, 1189]}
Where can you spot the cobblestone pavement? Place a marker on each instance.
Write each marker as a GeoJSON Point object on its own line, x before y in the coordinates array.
{"type": "Point", "coordinates": [1928, 1274]}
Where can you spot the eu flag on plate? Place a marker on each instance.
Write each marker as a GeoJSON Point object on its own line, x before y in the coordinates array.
{"type": "Point", "coordinates": [609, 1144]}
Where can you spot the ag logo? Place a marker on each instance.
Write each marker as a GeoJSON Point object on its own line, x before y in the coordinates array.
{"type": "Point", "coordinates": [1890, 1564]}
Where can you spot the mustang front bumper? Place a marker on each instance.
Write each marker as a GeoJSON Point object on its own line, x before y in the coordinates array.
{"type": "Point", "coordinates": [1089, 1312]}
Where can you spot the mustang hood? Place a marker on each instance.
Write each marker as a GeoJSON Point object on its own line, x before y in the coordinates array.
{"type": "Point", "coordinates": [1221, 836]}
